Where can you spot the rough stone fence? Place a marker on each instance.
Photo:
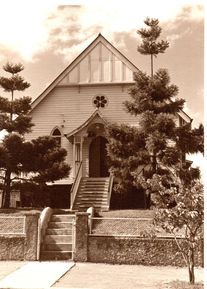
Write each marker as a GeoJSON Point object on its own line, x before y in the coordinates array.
{"type": "Point", "coordinates": [119, 241]}
{"type": "Point", "coordinates": [104, 240]}
{"type": "Point", "coordinates": [18, 236]}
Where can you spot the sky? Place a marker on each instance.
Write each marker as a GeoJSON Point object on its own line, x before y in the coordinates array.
{"type": "Point", "coordinates": [45, 36]}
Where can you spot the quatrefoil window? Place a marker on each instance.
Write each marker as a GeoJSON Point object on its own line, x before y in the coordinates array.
{"type": "Point", "coordinates": [100, 101]}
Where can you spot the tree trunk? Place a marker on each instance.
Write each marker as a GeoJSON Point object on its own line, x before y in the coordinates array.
{"type": "Point", "coordinates": [7, 191]}
{"type": "Point", "coordinates": [191, 267]}
{"type": "Point", "coordinates": [152, 65]}
{"type": "Point", "coordinates": [153, 161]}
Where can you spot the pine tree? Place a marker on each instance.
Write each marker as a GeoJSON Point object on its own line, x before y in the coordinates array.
{"type": "Point", "coordinates": [42, 157]}
{"type": "Point", "coordinates": [14, 118]}
{"type": "Point", "coordinates": [150, 45]}
{"type": "Point", "coordinates": [163, 145]}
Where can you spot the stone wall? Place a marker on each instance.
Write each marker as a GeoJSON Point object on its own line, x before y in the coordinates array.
{"type": "Point", "coordinates": [21, 246]}
{"type": "Point", "coordinates": [127, 250]}
{"type": "Point", "coordinates": [94, 248]}
{"type": "Point", "coordinates": [132, 250]}
{"type": "Point", "coordinates": [12, 247]}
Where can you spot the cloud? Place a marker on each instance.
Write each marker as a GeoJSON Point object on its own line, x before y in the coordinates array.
{"type": "Point", "coordinates": [115, 18]}
{"type": "Point", "coordinates": [28, 27]}
{"type": "Point", "coordinates": [22, 26]}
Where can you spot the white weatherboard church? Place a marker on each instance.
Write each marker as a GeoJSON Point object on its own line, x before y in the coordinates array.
{"type": "Point", "coordinates": [75, 109]}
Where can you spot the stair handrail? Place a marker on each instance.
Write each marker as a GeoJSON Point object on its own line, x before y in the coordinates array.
{"type": "Point", "coordinates": [90, 212]}
{"type": "Point", "coordinates": [111, 180]}
{"type": "Point", "coordinates": [42, 226]}
{"type": "Point", "coordinates": [74, 189]}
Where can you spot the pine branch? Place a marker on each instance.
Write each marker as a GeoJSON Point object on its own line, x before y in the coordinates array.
{"type": "Point", "coordinates": [13, 68]}
{"type": "Point", "coordinates": [16, 82]}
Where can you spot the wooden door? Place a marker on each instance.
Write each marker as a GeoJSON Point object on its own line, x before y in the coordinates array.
{"type": "Point", "coordinates": [98, 158]}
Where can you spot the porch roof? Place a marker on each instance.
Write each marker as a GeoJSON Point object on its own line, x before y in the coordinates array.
{"type": "Point", "coordinates": [87, 122]}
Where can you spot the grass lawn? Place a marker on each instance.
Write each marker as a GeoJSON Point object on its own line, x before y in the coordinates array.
{"type": "Point", "coordinates": [109, 225]}
{"type": "Point", "coordinates": [127, 214]}
{"type": "Point", "coordinates": [184, 285]}
{"type": "Point", "coordinates": [20, 211]}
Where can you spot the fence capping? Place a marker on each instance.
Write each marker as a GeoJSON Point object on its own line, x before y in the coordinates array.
{"type": "Point", "coordinates": [123, 218]}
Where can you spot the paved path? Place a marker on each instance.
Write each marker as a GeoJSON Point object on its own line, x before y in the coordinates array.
{"type": "Point", "coordinates": [89, 275]}
{"type": "Point", "coordinates": [36, 275]}
{"type": "Point", "coordinates": [7, 267]}
{"type": "Point", "coordinates": [105, 276]}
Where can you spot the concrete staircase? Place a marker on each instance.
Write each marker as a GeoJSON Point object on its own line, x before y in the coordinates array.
{"type": "Point", "coordinates": [93, 192]}
{"type": "Point", "coordinates": [58, 240]}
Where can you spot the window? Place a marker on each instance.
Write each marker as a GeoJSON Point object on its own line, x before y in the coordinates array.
{"type": "Point", "coordinates": [100, 101]}
{"type": "Point", "coordinates": [57, 136]}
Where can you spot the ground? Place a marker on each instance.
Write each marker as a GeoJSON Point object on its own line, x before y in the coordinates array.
{"type": "Point", "coordinates": [105, 276]}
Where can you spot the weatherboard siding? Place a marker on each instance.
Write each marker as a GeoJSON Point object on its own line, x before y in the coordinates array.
{"type": "Point", "coordinates": [68, 107]}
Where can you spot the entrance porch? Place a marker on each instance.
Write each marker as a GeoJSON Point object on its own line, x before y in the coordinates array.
{"type": "Point", "coordinates": [92, 182]}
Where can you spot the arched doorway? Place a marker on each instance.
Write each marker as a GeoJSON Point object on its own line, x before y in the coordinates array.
{"type": "Point", "coordinates": [98, 158]}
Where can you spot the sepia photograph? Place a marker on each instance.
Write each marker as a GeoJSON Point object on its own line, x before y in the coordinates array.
{"type": "Point", "coordinates": [102, 144]}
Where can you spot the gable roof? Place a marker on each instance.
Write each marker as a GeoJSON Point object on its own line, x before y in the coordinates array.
{"type": "Point", "coordinates": [87, 122]}
{"type": "Point", "coordinates": [98, 39]}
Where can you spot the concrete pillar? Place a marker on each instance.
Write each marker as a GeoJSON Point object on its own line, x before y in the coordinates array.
{"type": "Point", "coordinates": [81, 238]}
{"type": "Point", "coordinates": [31, 232]}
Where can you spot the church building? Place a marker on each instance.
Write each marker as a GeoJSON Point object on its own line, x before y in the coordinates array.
{"type": "Point", "coordinates": [75, 109]}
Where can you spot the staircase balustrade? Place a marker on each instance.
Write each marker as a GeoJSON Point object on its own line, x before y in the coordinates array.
{"type": "Point", "coordinates": [42, 226]}
{"type": "Point", "coordinates": [111, 179]}
{"type": "Point", "coordinates": [75, 186]}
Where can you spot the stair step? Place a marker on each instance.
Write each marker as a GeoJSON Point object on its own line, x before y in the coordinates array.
{"type": "Point", "coordinates": [49, 239]}
{"type": "Point", "coordinates": [58, 247]}
{"type": "Point", "coordinates": [62, 218]}
{"type": "Point", "coordinates": [58, 240]}
{"type": "Point", "coordinates": [85, 207]}
{"type": "Point", "coordinates": [94, 179]}
{"type": "Point", "coordinates": [91, 204]}
{"type": "Point", "coordinates": [54, 255]}
{"type": "Point", "coordinates": [86, 184]}
{"type": "Point", "coordinates": [92, 192]}
{"type": "Point", "coordinates": [86, 199]}
{"type": "Point", "coordinates": [93, 197]}
{"type": "Point", "coordinates": [66, 225]}
{"type": "Point", "coordinates": [61, 231]}
{"type": "Point", "coordinates": [89, 197]}
{"type": "Point", "coordinates": [98, 185]}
